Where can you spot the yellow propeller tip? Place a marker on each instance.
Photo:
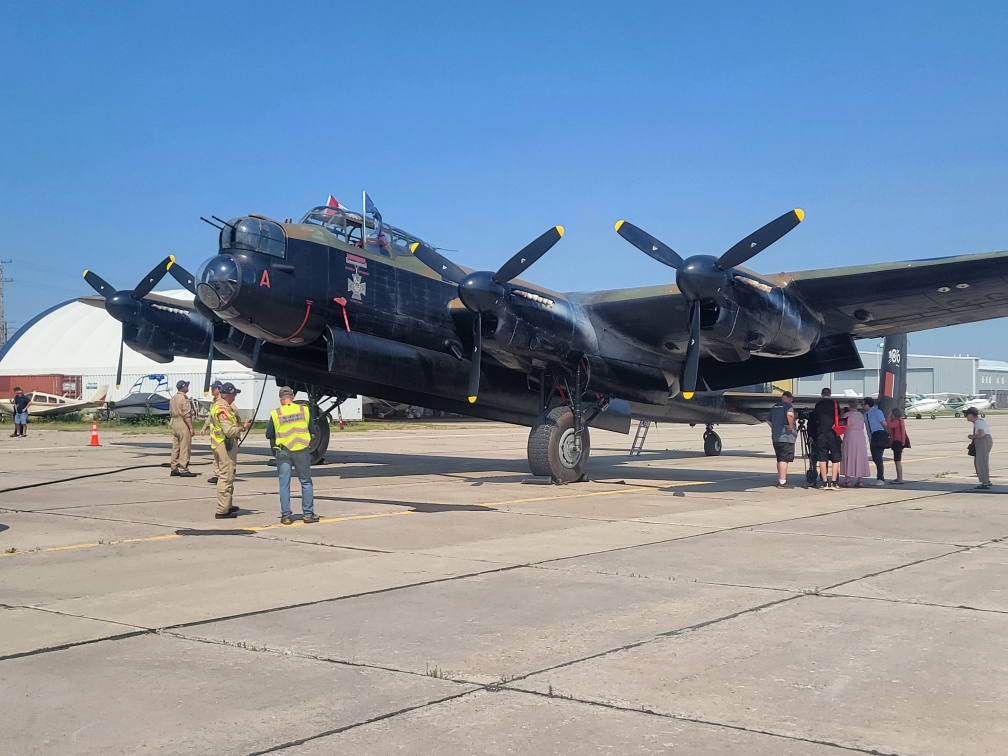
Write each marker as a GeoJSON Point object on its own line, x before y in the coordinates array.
{"type": "Point", "coordinates": [560, 230]}
{"type": "Point", "coordinates": [413, 247]}
{"type": "Point", "coordinates": [687, 395]}
{"type": "Point", "coordinates": [86, 272]}
{"type": "Point", "coordinates": [472, 400]}
{"type": "Point", "coordinates": [800, 213]}
{"type": "Point", "coordinates": [618, 224]}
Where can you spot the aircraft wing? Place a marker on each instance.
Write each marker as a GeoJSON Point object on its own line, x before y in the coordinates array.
{"type": "Point", "coordinates": [871, 301]}
{"type": "Point", "coordinates": [154, 296]}
{"type": "Point", "coordinates": [653, 315]}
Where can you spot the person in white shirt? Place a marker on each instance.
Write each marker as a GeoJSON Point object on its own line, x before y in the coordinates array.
{"type": "Point", "coordinates": [982, 442]}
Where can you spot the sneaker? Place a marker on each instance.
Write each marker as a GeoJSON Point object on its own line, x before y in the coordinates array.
{"type": "Point", "coordinates": [174, 473]}
{"type": "Point", "coordinates": [784, 485]}
{"type": "Point", "coordinates": [212, 479]}
{"type": "Point", "coordinates": [229, 516]}
{"type": "Point", "coordinates": [310, 518]}
{"type": "Point", "coordinates": [286, 521]}
{"type": "Point", "coordinates": [186, 473]}
{"type": "Point", "coordinates": [14, 435]}
{"type": "Point", "coordinates": [983, 486]}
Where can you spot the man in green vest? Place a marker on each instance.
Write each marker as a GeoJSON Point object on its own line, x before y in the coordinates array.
{"type": "Point", "coordinates": [291, 428]}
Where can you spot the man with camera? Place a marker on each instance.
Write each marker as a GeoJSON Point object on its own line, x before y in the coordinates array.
{"type": "Point", "coordinates": [827, 413]}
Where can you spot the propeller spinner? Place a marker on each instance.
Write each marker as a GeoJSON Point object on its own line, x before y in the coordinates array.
{"type": "Point", "coordinates": [700, 277]}
{"type": "Point", "coordinates": [482, 291]}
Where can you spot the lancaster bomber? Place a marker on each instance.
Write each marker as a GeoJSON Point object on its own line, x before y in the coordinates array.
{"type": "Point", "coordinates": [341, 303]}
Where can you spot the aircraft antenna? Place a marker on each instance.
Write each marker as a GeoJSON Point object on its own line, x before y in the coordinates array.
{"type": "Point", "coordinates": [3, 320]}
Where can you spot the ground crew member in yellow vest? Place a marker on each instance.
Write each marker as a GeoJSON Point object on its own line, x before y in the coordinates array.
{"type": "Point", "coordinates": [291, 429]}
{"type": "Point", "coordinates": [180, 410]}
{"type": "Point", "coordinates": [225, 431]}
{"type": "Point", "coordinates": [215, 388]}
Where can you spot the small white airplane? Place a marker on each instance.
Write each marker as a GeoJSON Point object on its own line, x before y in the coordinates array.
{"type": "Point", "coordinates": [925, 404]}
{"type": "Point", "coordinates": [959, 402]}
{"type": "Point", "coordinates": [48, 405]}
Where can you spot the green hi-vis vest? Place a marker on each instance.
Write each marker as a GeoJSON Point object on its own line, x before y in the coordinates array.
{"type": "Point", "coordinates": [216, 432]}
{"type": "Point", "coordinates": [290, 421]}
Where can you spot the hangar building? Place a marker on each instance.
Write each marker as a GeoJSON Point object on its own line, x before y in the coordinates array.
{"type": "Point", "coordinates": [75, 347]}
{"type": "Point", "coordinates": [926, 374]}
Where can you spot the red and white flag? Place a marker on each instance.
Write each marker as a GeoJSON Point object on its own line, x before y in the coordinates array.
{"type": "Point", "coordinates": [333, 202]}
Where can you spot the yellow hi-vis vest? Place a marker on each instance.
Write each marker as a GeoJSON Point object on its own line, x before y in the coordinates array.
{"type": "Point", "coordinates": [216, 432]}
{"type": "Point", "coordinates": [290, 421]}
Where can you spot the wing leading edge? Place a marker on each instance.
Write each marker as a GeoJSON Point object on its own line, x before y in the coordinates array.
{"type": "Point", "coordinates": [880, 300]}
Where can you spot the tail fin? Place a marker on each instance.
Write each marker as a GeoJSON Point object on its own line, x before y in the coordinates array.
{"type": "Point", "coordinates": [100, 394]}
{"type": "Point", "coordinates": [893, 374]}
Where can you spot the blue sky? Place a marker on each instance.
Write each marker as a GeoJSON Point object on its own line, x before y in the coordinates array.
{"type": "Point", "coordinates": [478, 125]}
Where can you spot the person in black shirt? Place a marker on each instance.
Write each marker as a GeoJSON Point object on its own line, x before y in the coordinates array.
{"type": "Point", "coordinates": [21, 403]}
{"type": "Point", "coordinates": [827, 441]}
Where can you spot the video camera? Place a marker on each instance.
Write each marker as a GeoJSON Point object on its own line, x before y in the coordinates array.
{"type": "Point", "coordinates": [807, 425]}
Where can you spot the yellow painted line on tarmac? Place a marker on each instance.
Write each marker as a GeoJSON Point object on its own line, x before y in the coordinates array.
{"type": "Point", "coordinates": [92, 544]}
{"type": "Point", "coordinates": [257, 528]}
{"type": "Point", "coordinates": [169, 536]}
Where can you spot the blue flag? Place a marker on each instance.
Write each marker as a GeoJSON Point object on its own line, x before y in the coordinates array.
{"type": "Point", "coordinates": [369, 207]}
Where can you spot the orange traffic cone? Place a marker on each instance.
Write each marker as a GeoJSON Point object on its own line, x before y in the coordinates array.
{"type": "Point", "coordinates": [94, 434]}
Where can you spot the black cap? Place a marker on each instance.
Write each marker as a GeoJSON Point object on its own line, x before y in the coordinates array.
{"type": "Point", "coordinates": [216, 385]}
{"type": "Point", "coordinates": [17, 388]}
{"type": "Point", "coordinates": [229, 388]}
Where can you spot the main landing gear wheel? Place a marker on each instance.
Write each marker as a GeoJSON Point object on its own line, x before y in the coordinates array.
{"type": "Point", "coordinates": [553, 448]}
{"type": "Point", "coordinates": [319, 445]}
{"type": "Point", "coordinates": [711, 444]}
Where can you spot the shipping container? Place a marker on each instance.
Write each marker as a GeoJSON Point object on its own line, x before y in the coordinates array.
{"type": "Point", "coordinates": [53, 383]}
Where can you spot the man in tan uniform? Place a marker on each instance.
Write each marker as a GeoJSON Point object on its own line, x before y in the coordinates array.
{"type": "Point", "coordinates": [180, 410]}
{"type": "Point", "coordinates": [226, 430]}
{"type": "Point", "coordinates": [215, 388]}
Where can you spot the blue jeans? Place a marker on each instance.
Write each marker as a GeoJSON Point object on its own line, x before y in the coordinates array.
{"type": "Point", "coordinates": [301, 462]}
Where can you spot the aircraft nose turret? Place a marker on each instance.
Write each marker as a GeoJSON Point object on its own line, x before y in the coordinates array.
{"type": "Point", "coordinates": [220, 282]}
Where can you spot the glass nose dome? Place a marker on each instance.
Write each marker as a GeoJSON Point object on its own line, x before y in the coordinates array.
{"type": "Point", "coordinates": [219, 282]}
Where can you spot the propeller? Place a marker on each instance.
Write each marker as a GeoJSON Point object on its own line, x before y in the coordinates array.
{"type": "Point", "coordinates": [122, 346]}
{"type": "Point", "coordinates": [209, 364]}
{"type": "Point", "coordinates": [482, 291]}
{"type": "Point", "coordinates": [124, 305]}
{"type": "Point", "coordinates": [703, 276]}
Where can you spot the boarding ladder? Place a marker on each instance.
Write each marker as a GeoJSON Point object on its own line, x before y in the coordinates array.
{"type": "Point", "coordinates": [638, 442]}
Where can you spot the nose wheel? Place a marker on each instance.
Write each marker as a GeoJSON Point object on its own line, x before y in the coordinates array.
{"type": "Point", "coordinates": [711, 442]}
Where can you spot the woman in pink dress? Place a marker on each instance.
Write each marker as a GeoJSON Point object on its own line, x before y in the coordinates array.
{"type": "Point", "coordinates": [854, 461]}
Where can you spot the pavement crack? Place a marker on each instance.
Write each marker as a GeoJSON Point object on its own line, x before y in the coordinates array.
{"type": "Point", "coordinates": [708, 722]}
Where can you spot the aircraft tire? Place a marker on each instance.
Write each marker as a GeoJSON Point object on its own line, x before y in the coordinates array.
{"type": "Point", "coordinates": [551, 451]}
{"type": "Point", "coordinates": [319, 436]}
{"type": "Point", "coordinates": [712, 444]}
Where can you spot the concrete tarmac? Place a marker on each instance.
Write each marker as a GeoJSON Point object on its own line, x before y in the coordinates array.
{"type": "Point", "coordinates": [675, 604]}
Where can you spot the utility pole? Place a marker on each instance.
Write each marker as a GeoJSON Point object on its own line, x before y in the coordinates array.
{"type": "Point", "coordinates": [3, 320]}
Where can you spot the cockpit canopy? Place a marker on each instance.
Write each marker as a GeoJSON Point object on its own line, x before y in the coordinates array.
{"type": "Point", "coordinates": [346, 226]}
{"type": "Point", "coordinates": [254, 234]}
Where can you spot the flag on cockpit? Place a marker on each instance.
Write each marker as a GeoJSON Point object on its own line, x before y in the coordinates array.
{"type": "Point", "coordinates": [332, 202]}
{"type": "Point", "coordinates": [369, 207]}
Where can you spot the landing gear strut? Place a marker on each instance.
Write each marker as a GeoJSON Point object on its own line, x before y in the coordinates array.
{"type": "Point", "coordinates": [711, 442]}
{"type": "Point", "coordinates": [559, 444]}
